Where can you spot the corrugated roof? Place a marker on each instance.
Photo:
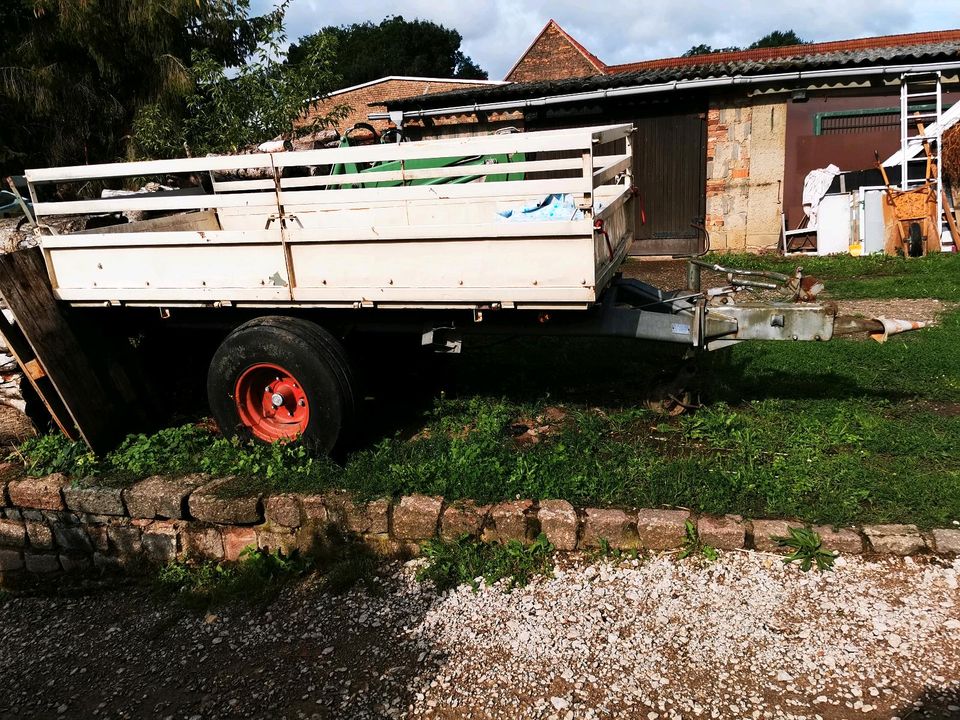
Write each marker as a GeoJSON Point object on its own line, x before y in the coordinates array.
{"type": "Point", "coordinates": [926, 47]}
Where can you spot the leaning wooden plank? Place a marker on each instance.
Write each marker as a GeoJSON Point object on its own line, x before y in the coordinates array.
{"type": "Point", "coordinates": [26, 290]}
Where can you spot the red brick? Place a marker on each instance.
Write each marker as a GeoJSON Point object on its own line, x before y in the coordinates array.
{"type": "Point", "coordinates": [236, 539]}
{"type": "Point", "coordinates": [41, 493]}
{"type": "Point", "coordinates": [357, 101]}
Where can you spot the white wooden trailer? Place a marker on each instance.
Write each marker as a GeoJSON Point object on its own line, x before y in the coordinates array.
{"type": "Point", "coordinates": [291, 259]}
{"type": "Point", "coordinates": [296, 240]}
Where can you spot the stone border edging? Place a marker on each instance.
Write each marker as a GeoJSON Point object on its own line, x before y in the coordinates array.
{"type": "Point", "coordinates": [47, 526]}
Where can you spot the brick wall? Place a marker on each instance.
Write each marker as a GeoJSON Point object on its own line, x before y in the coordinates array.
{"type": "Point", "coordinates": [746, 140]}
{"type": "Point", "coordinates": [552, 56]}
{"type": "Point", "coordinates": [357, 101]}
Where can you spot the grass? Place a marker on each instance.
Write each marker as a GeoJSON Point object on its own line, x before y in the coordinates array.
{"type": "Point", "coordinates": [467, 560]}
{"type": "Point", "coordinates": [256, 578]}
{"type": "Point", "coordinates": [338, 563]}
{"type": "Point", "coordinates": [834, 433]}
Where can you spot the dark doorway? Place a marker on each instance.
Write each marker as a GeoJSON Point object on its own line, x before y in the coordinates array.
{"type": "Point", "coordinates": [670, 169]}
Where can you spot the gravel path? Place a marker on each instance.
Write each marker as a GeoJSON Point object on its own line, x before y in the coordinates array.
{"type": "Point", "coordinates": [745, 637]}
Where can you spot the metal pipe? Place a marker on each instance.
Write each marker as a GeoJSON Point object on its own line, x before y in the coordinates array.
{"type": "Point", "coordinates": [675, 85]}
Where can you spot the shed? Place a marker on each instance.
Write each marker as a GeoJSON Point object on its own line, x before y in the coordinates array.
{"type": "Point", "coordinates": [724, 139]}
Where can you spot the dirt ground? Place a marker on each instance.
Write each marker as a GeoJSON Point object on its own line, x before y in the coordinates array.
{"type": "Point", "coordinates": [744, 637]}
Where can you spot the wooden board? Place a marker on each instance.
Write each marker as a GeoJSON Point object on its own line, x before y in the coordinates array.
{"type": "Point", "coordinates": [78, 400]}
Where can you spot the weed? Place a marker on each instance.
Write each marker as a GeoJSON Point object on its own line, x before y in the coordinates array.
{"type": "Point", "coordinates": [169, 451]}
{"type": "Point", "coordinates": [46, 454]}
{"type": "Point", "coordinates": [256, 578]}
{"type": "Point", "coordinates": [607, 553]}
{"type": "Point", "coordinates": [692, 544]}
{"type": "Point", "coordinates": [466, 560]}
{"type": "Point", "coordinates": [807, 549]}
{"type": "Point", "coordinates": [5, 596]}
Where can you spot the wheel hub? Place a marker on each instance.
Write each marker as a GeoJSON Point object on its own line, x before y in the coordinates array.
{"type": "Point", "coordinates": [271, 403]}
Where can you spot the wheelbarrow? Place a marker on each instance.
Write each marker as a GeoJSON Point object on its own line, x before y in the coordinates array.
{"type": "Point", "coordinates": [916, 221]}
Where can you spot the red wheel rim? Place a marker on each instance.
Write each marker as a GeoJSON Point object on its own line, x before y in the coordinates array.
{"type": "Point", "coordinates": [271, 403]}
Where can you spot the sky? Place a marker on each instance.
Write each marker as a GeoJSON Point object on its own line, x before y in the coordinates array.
{"type": "Point", "coordinates": [496, 32]}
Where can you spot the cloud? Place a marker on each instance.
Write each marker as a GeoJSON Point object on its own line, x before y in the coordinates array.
{"type": "Point", "coordinates": [496, 32]}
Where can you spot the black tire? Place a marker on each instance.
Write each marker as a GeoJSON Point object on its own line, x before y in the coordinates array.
{"type": "Point", "coordinates": [915, 248]}
{"type": "Point", "coordinates": [310, 353]}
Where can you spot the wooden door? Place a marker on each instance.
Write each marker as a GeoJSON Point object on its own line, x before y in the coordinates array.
{"type": "Point", "coordinates": [670, 168]}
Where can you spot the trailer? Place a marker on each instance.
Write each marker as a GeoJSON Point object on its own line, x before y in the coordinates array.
{"type": "Point", "coordinates": [297, 251]}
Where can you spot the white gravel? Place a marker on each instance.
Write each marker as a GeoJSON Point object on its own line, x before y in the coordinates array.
{"type": "Point", "coordinates": [744, 637]}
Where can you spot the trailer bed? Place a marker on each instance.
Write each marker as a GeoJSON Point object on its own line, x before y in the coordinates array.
{"type": "Point", "coordinates": [298, 236]}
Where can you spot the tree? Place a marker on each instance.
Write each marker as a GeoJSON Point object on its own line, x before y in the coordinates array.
{"type": "Point", "coordinates": [79, 80]}
{"type": "Point", "coordinates": [777, 38]}
{"type": "Point", "coordinates": [707, 50]}
{"type": "Point", "coordinates": [396, 46]}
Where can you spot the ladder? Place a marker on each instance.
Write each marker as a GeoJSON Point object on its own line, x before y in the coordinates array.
{"type": "Point", "coordinates": [921, 101]}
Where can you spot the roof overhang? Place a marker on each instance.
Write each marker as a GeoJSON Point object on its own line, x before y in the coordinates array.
{"type": "Point", "coordinates": [785, 80]}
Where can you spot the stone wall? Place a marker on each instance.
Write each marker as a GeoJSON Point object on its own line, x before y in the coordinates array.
{"type": "Point", "coordinates": [48, 526]}
{"type": "Point", "coordinates": [746, 145]}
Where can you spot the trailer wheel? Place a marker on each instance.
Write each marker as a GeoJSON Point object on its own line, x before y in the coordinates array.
{"type": "Point", "coordinates": [282, 379]}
